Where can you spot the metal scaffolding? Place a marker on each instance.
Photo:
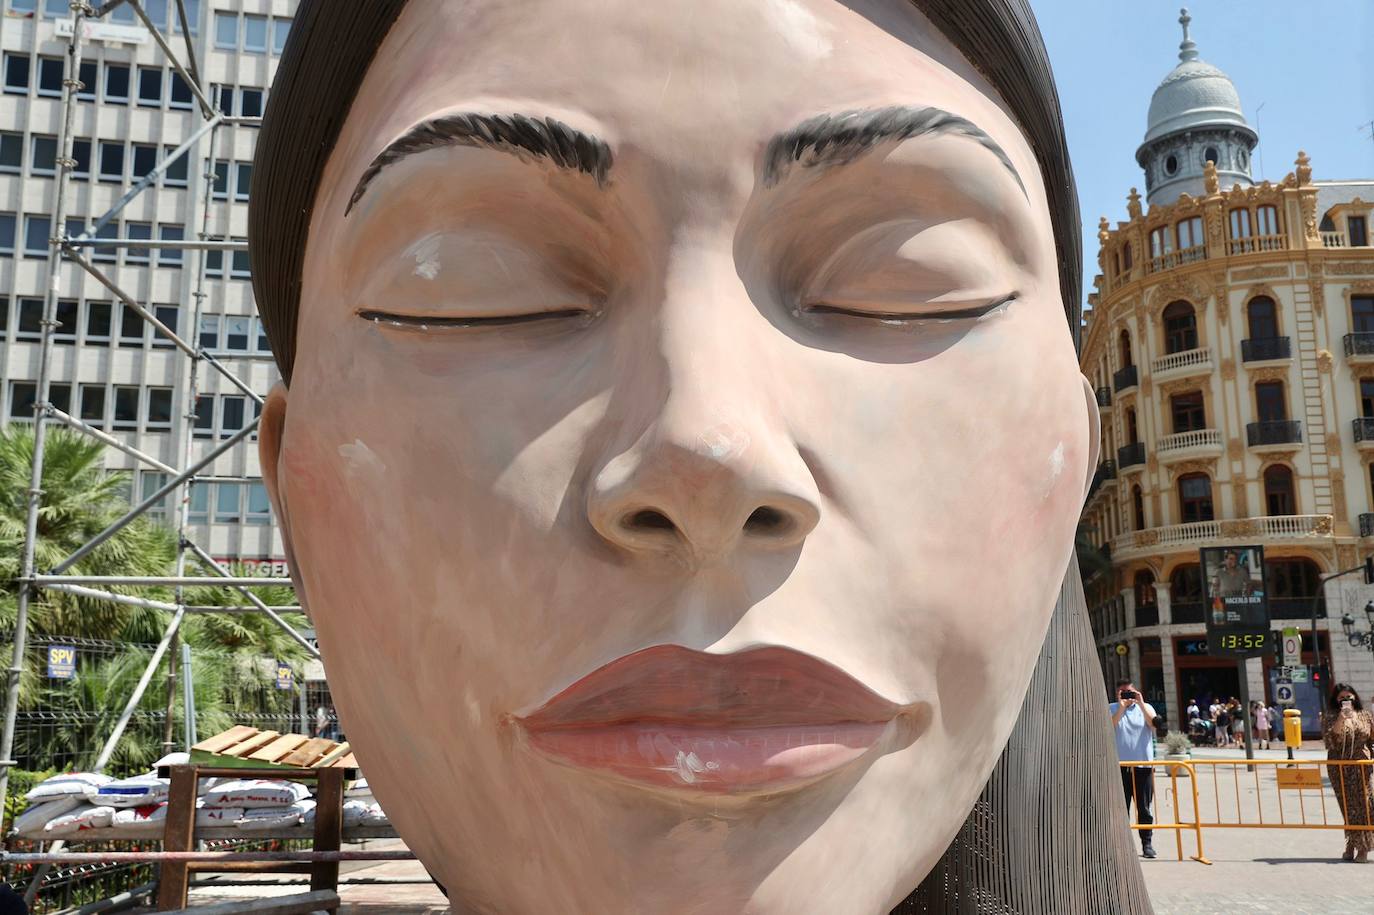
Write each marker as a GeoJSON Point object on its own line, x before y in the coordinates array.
{"type": "Point", "coordinates": [75, 250]}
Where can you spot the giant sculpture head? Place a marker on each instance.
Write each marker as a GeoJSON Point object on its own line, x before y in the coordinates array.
{"type": "Point", "coordinates": [682, 439]}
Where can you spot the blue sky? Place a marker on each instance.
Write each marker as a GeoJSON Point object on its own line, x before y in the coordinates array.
{"type": "Point", "coordinates": [1310, 64]}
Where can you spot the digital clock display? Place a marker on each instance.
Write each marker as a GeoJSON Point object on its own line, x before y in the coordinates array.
{"type": "Point", "coordinates": [1243, 641]}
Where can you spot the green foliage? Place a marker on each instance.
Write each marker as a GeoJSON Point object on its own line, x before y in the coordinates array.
{"type": "Point", "coordinates": [232, 654]}
{"type": "Point", "coordinates": [21, 783]}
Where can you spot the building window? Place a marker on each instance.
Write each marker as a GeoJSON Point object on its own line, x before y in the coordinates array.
{"type": "Point", "coordinates": [93, 405]}
{"type": "Point", "coordinates": [17, 74]}
{"type": "Point", "coordinates": [1186, 593]}
{"type": "Point", "coordinates": [263, 345]}
{"type": "Point", "coordinates": [250, 103]}
{"type": "Point", "coordinates": [159, 415]}
{"type": "Point", "coordinates": [37, 231]}
{"type": "Point", "coordinates": [1132, 430]}
{"type": "Point", "coordinates": [11, 152]}
{"type": "Point", "coordinates": [192, 18]}
{"type": "Point", "coordinates": [1367, 397]}
{"type": "Point", "coordinates": [1171, 165]}
{"type": "Point", "coordinates": [145, 160]}
{"type": "Point", "coordinates": [1180, 328]}
{"type": "Point", "coordinates": [1267, 218]}
{"type": "Point", "coordinates": [220, 189]}
{"type": "Point", "coordinates": [214, 264]}
{"type": "Point", "coordinates": [98, 323]}
{"type": "Point", "coordinates": [1161, 242]}
{"type": "Point", "coordinates": [149, 482]}
{"type": "Point", "coordinates": [30, 319]}
{"type": "Point", "coordinates": [7, 233]}
{"type": "Point", "coordinates": [181, 96]}
{"type": "Point", "coordinates": [1294, 586]}
{"type": "Point", "coordinates": [280, 29]}
{"type": "Point", "coordinates": [199, 509]}
{"type": "Point", "coordinates": [1189, 413]}
{"type": "Point", "coordinates": [50, 76]}
{"type": "Point", "coordinates": [226, 100]}
{"type": "Point", "coordinates": [239, 266]}
{"type": "Point", "coordinates": [81, 152]}
{"type": "Point", "coordinates": [150, 86]}
{"type": "Point", "coordinates": [1211, 155]}
{"type": "Point", "coordinates": [1240, 223]}
{"type": "Point", "coordinates": [1355, 231]}
{"type": "Point", "coordinates": [243, 178]}
{"type": "Point", "coordinates": [209, 332]}
{"type": "Point", "coordinates": [116, 83]}
{"type": "Point", "coordinates": [228, 503]}
{"type": "Point", "coordinates": [255, 34]}
{"type": "Point", "coordinates": [205, 417]}
{"type": "Point", "coordinates": [170, 257]}
{"type": "Point", "coordinates": [227, 31]}
{"type": "Point", "coordinates": [230, 414]}
{"type": "Point", "coordinates": [1362, 313]}
{"type": "Point", "coordinates": [131, 326]}
{"type": "Point", "coordinates": [236, 334]}
{"type": "Point", "coordinates": [170, 316]}
{"type": "Point", "coordinates": [1262, 317]}
{"type": "Point", "coordinates": [125, 407]}
{"type": "Point", "coordinates": [1190, 233]}
{"type": "Point", "coordinates": [43, 155]}
{"type": "Point", "coordinates": [259, 505]}
{"type": "Point", "coordinates": [1278, 490]}
{"type": "Point", "coordinates": [106, 254]}
{"type": "Point", "coordinates": [1137, 508]}
{"type": "Point", "coordinates": [23, 397]}
{"type": "Point", "coordinates": [1195, 497]}
{"type": "Point", "coordinates": [68, 317]}
{"type": "Point", "coordinates": [1126, 257]}
{"type": "Point", "coordinates": [1270, 403]}
{"type": "Point", "coordinates": [139, 231]}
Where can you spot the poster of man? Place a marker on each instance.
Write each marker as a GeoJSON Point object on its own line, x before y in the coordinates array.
{"type": "Point", "coordinates": [1235, 585]}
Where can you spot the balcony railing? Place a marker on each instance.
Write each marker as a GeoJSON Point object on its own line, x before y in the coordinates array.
{"type": "Point", "coordinates": [1104, 396]}
{"type": "Point", "coordinates": [1197, 438]}
{"type": "Point", "coordinates": [1358, 344]}
{"type": "Point", "coordinates": [1364, 428]}
{"type": "Point", "coordinates": [1130, 455]}
{"type": "Point", "coordinates": [1188, 359]}
{"type": "Point", "coordinates": [1367, 524]}
{"type": "Point", "coordinates": [1258, 349]}
{"type": "Point", "coordinates": [1334, 240]}
{"type": "Point", "coordinates": [1253, 243]}
{"type": "Point", "coordinates": [1126, 378]}
{"type": "Point", "coordinates": [1274, 432]}
{"type": "Point", "coordinates": [1176, 258]}
{"type": "Point", "coordinates": [1281, 527]}
{"type": "Point", "coordinates": [1147, 614]}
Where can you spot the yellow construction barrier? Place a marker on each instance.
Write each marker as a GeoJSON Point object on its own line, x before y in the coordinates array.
{"type": "Point", "coordinates": [1260, 794]}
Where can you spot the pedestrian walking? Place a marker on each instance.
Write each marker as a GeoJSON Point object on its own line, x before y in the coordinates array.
{"type": "Point", "coordinates": [1262, 724]}
{"type": "Point", "coordinates": [1221, 724]}
{"type": "Point", "coordinates": [1348, 732]}
{"type": "Point", "coordinates": [1237, 722]}
{"type": "Point", "coordinates": [1134, 721]}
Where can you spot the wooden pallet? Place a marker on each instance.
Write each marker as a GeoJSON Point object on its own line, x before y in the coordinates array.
{"type": "Point", "coordinates": [248, 747]}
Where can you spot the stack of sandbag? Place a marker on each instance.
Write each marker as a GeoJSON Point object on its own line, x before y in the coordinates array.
{"type": "Point", "coordinates": [360, 807]}
{"type": "Point", "coordinates": [266, 804]}
{"type": "Point", "coordinates": [66, 798]}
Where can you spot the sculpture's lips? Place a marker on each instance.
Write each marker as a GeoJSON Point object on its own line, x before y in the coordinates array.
{"type": "Point", "coordinates": [756, 720]}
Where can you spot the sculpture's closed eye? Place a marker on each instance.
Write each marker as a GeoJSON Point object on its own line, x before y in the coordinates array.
{"type": "Point", "coordinates": [439, 322]}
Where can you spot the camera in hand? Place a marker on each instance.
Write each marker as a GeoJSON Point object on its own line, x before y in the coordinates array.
{"type": "Point", "coordinates": [1129, 694]}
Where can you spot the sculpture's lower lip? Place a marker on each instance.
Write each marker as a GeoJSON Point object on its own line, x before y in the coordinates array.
{"type": "Point", "coordinates": [711, 757]}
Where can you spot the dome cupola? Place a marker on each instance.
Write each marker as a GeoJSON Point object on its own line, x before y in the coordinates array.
{"type": "Point", "coordinates": [1195, 117]}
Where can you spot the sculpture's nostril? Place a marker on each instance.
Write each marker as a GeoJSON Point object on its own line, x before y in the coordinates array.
{"type": "Point", "coordinates": [765, 520]}
{"type": "Point", "coordinates": [649, 520]}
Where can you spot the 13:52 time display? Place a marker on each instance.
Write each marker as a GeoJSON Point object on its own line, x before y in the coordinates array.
{"type": "Point", "coordinates": [1243, 641]}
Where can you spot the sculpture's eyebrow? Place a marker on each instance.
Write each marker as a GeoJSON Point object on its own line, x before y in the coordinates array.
{"type": "Point", "coordinates": [519, 134]}
{"type": "Point", "coordinates": [840, 137]}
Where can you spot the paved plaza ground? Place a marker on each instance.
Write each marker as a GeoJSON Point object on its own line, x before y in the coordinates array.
{"type": "Point", "coordinates": [1285, 870]}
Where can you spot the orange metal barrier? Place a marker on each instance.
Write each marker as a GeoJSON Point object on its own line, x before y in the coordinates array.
{"type": "Point", "coordinates": [1259, 794]}
{"type": "Point", "coordinates": [1172, 770]}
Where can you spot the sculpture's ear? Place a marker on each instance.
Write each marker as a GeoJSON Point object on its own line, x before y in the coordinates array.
{"type": "Point", "coordinates": [1094, 433]}
{"type": "Point", "coordinates": [271, 428]}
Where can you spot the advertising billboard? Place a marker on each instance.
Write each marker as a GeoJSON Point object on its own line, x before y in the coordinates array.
{"type": "Point", "coordinates": [1237, 611]}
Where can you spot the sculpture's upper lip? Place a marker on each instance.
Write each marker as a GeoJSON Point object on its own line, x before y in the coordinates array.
{"type": "Point", "coordinates": [759, 687]}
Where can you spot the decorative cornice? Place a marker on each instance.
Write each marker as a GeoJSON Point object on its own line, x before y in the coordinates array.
{"type": "Point", "coordinates": [1350, 268]}
{"type": "Point", "coordinates": [1268, 373]}
{"type": "Point", "coordinates": [1259, 273]}
{"type": "Point", "coordinates": [1198, 465]}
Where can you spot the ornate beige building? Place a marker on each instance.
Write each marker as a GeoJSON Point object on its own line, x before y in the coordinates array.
{"type": "Point", "coordinates": [1231, 343]}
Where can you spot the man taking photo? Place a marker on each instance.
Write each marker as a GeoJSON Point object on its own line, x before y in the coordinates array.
{"type": "Point", "coordinates": [1134, 721]}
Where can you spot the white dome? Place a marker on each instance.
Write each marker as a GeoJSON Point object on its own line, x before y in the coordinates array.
{"type": "Point", "coordinates": [1194, 94]}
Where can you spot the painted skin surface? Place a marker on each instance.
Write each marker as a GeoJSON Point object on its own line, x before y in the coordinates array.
{"type": "Point", "coordinates": [532, 417]}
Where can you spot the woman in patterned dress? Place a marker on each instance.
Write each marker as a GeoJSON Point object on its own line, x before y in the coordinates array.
{"type": "Point", "coordinates": [1348, 731]}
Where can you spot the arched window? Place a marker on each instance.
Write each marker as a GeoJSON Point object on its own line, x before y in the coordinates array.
{"type": "Point", "coordinates": [1132, 430]}
{"type": "Point", "coordinates": [1185, 593]}
{"type": "Point", "coordinates": [1146, 605]}
{"type": "Point", "coordinates": [1138, 507]}
{"type": "Point", "coordinates": [1126, 257]}
{"type": "Point", "coordinates": [1267, 219]}
{"type": "Point", "coordinates": [1195, 497]}
{"type": "Point", "coordinates": [1279, 497]}
{"type": "Point", "coordinates": [1180, 327]}
{"type": "Point", "coordinates": [1294, 585]}
{"type": "Point", "coordinates": [1263, 317]}
{"type": "Point", "coordinates": [1125, 344]}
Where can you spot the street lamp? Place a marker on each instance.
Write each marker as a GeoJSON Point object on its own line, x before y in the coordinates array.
{"type": "Point", "coordinates": [1355, 638]}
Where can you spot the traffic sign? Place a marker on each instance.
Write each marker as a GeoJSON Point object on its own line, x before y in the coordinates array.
{"type": "Point", "coordinates": [1292, 646]}
{"type": "Point", "coordinates": [1283, 692]}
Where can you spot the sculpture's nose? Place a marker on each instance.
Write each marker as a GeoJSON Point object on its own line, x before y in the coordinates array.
{"type": "Point", "coordinates": [713, 470]}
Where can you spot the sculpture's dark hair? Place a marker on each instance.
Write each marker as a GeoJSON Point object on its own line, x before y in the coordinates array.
{"type": "Point", "coordinates": [1048, 833]}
